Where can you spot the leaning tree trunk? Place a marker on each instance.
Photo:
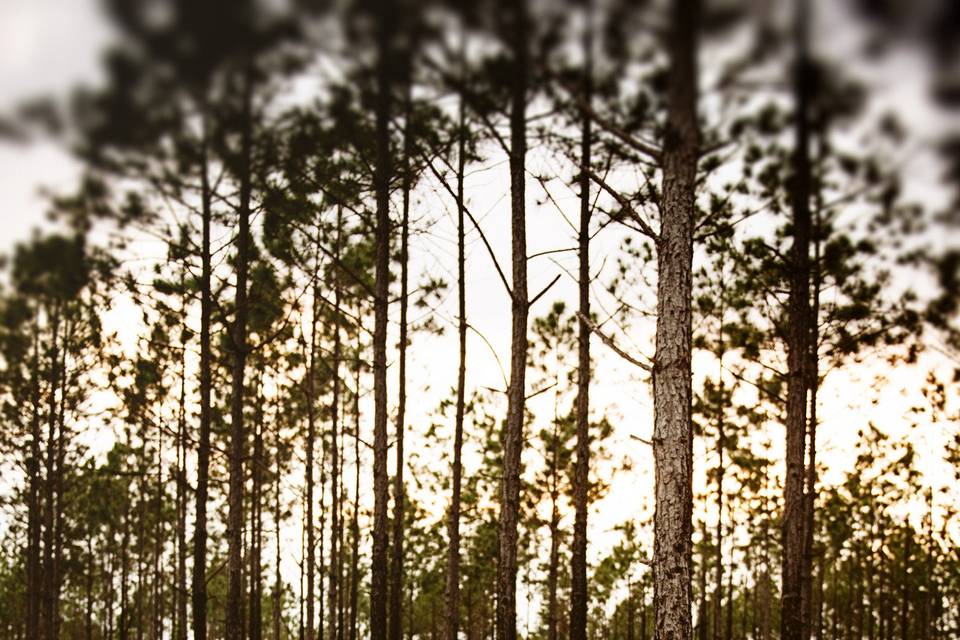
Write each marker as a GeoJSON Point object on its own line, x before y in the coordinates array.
{"type": "Point", "coordinates": [581, 472]}
{"type": "Point", "coordinates": [381, 180]}
{"type": "Point", "coordinates": [234, 614]}
{"type": "Point", "coordinates": [672, 438]}
{"type": "Point", "coordinates": [798, 338]}
{"type": "Point", "coordinates": [513, 437]}
{"type": "Point", "coordinates": [452, 593]}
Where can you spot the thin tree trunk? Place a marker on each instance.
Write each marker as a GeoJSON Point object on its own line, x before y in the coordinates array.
{"type": "Point", "coordinates": [813, 385]}
{"type": "Point", "coordinates": [513, 436]}
{"type": "Point", "coordinates": [581, 472]}
{"type": "Point", "coordinates": [452, 592]}
{"type": "Point", "coordinates": [336, 560]}
{"type": "Point", "coordinates": [355, 522]}
{"type": "Point", "coordinates": [34, 592]}
{"type": "Point", "coordinates": [718, 567]}
{"type": "Point", "coordinates": [311, 559]}
{"type": "Point", "coordinates": [234, 613]}
{"type": "Point", "coordinates": [48, 576]}
{"type": "Point", "coordinates": [396, 564]}
{"type": "Point", "coordinates": [88, 591]}
{"type": "Point", "coordinates": [792, 623]}
{"type": "Point", "coordinates": [256, 524]}
{"type": "Point", "coordinates": [381, 179]}
{"type": "Point", "coordinates": [553, 570]}
{"type": "Point", "coordinates": [180, 628]}
{"type": "Point", "coordinates": [278, 580]}
{"type": "Point", "coordinates": [199, 582]}
{"type": "Point", "coordinates": [672, 441]}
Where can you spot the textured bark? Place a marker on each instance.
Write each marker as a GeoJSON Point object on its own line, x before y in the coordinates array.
{"type": "Point", "coordinates": [581, 471]}
{"type": "Point", "coordinates": [452, 592]}
{"type": "Point", "coordinates": [396, 560]}
{"type": "Point", "coordinates": [513, 436]}
{"type": "Point", "coordinates": [199, 582]}
{"type": "Point", "coordinates": [672, 438]}
{"type": "Point", "coordinates": [798, 339]}
{"type": "Point", "coordinates": [381, 180]}
{"type": "Point", "coordinates": [234, 614]}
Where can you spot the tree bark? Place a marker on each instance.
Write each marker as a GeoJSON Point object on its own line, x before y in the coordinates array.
{"type": "Point", "coordinates": [34, 590]}
{"type": "Point", "coordinates": [381, 179]}
{"type": "Point", "coordinates": [810, 491]}
{"type": "Point", "coordinates": [180, 628]}
{"type": "Point", "coordinates": [513, 436]}
{"type": "Point", "coordinates": [336, 560]}
{"type": "Point", "coordinates": [310, 596]}
{"type": "Point", "coordinates": [355, 521]}
{"type": "Point", "coordinates": [199, 582]}
{"type": "Point", "coordinates": [581, 472]}
{"type": "Point", "coordinates": [672, 441]}
{"type": "Point", "coordinates": [791, 621]}
{"type": "Point", "coordinates": [396, 561]}
{"type": "Point", "coordinates": [234, 613]}
{"type": "Point", "coordinates": [256, 525]}
{"type": "Point", "coordinates": [48, 574]}
{"type": "Point", "coordinates": [452, 592]}
{"type": "Point", "coordinates": [721, 424]}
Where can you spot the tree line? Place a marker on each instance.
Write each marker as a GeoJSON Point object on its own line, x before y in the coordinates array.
{"type": "Point", "coordinates": [215, 415]}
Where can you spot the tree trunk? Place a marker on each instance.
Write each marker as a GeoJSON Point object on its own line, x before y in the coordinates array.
{"type": "Point", "coordinates": [256, 525]}
{"type": "Point", "coordinates": [381, 180]}
{"type": "Point", "coordinates": [48, 577]}
{"type": "Point", "coordinates": [672, 441]}
{"type": "Point", "coordinates": [234, 613]}
{"type": "Point", "coordinates": [355, 521]}
{"type": "Point", "coordinates": [199, 586]}
{"type": "Point", "coordinates": [718, 566]}
{"type": "Point", "coordinates": [396, 561]}
{"type": "Point", "coordinates": [553, 570]}
{"type": "Point", "coordinates": [452, 593]}
{"type": "Point", "coordinates": [310, 628]}
{"type": "Point", "coordinates": [180, 628]}
{"type": "Point", "coordinates": [278, 580]}
{"type": "Point", "coordinates": [516, 15]}
{"type": "Point", "coordinates": [792, 623]}
{"type": "Point", "coordinates": [336, 560]}
{"type": "Point", "coordinates": [581, 472]}
{"type": "Point", "coordinates": [810, 491]}
{"type": "Point", "coordinates": [34, 591]}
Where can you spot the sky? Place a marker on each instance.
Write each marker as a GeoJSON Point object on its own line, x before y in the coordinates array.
{"type": "Point", "coordinates": [47, 46]}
